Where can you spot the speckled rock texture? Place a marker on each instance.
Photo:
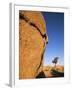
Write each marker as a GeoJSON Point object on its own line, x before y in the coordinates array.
{"type": "Point", "coordinates": [32, 42]}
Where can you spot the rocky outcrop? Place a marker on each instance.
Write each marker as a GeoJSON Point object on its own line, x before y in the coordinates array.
{"type": "Point", "coordinates": [32, 42]}
{"type": "Point", "coordinates": [51, 71]}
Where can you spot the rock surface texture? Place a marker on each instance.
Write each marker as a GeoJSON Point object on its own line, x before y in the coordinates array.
{"type": "Point", "coordinates": [32, 42]}
{"type": "Point", "coordinates": [51, 71]}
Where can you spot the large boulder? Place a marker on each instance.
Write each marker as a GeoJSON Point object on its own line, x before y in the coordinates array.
{"type": "Point", "coordinates": [32, 42]}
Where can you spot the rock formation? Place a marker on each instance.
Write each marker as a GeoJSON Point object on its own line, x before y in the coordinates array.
{"type": "Point", "coordinates": [32, 42]}
{"type": "Point", "coordinates": [51, 71]}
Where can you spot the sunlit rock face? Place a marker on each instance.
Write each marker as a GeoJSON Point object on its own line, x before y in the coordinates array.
{"type": "Point", "coordinates": [32, 42]}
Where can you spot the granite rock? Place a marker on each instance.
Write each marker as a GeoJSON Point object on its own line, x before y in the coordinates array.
{"type": "Point", "coordinates": [32, 43]}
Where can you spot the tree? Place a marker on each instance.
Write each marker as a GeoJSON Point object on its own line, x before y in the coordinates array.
{"type": "Point", "coordinates": [55, 60]}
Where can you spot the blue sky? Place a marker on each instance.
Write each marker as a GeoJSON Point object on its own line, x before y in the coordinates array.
{"type": "Point", "coordinates": [55, 32]}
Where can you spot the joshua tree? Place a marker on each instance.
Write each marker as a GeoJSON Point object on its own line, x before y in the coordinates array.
{"type": "Point", "coordinates": [55, 60]}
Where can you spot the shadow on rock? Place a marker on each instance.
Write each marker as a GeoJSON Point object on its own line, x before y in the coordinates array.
{"type": "Point", "coordinates": [41, 75]}
{"type": "Point", "coordinates": [57, 73]}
